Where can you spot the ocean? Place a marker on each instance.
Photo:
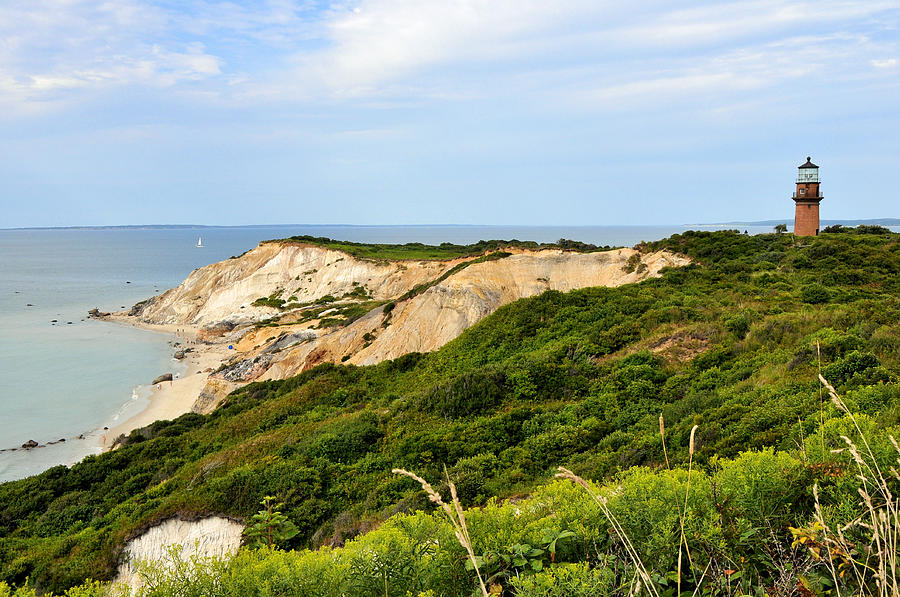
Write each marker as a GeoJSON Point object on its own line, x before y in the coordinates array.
{"type": "Point", "coordinates": [64, 376]}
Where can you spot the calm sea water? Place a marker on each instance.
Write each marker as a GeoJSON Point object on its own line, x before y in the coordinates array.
{"type": "Point", "coordinates": [72, 377]}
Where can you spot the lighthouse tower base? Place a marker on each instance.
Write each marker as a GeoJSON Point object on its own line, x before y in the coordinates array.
{"type": "Point", "coordinates": [806, 218]}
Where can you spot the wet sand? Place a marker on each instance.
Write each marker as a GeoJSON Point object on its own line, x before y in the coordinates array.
{"type": "Point", "coordinates": [171, 399]}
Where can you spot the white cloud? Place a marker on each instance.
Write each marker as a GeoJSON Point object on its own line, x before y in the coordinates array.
{"type": "Point", "coordinates": [381, 41]}
{"type": "Point", "coordinates": [54, 47]}
{"type": "Point", "coordinates": [731, 80]}
{"type": "Point", "coordinates": [464, 49]}
{"type": "Point", "coordinates": [884, 62]}
{"type": "Point", "coordinates": [733, 22]}
{"type": "Point", "coordinates": [192, 64]}
{"type": "Point", "coordinates": [386, 52]}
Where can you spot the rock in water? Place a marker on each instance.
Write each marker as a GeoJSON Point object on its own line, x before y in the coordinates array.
{"type": "Point", "coordinates": [30, 444]}
{"type": "Point", "coordinates": [162, 378]}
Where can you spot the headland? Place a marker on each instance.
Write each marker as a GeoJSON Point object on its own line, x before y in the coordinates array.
{"type": "Point", "coordinates": [287, 306]}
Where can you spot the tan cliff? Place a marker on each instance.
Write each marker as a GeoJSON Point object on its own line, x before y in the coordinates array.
{"type": "Point", "coordinates": [218, 301]}
{"type": "Point", "coordinates": [226, 290]}
{"type": "Point", "coordinates": [444, 311]}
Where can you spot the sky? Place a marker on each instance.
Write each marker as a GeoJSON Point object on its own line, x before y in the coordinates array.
{"type": "Point", "coordinates": [522, 112]}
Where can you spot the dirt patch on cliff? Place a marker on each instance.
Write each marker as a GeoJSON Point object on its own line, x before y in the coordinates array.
{"type": "Point", "coordinates": [681, 347]}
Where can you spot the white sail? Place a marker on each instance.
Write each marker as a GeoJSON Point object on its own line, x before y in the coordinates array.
{"type": "Point", "coordinates": [200, 241]}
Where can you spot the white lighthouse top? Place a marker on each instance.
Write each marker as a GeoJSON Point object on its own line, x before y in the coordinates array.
{"type": "Point", "coordinates": [808, 172]}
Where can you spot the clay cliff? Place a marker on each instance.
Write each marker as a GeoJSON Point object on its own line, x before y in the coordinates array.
{"type": "Point", "coordinates": [287, 307]}
{"type": "Point", "coordinates": [226, 291]}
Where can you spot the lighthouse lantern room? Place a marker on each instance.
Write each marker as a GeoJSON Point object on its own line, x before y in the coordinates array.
{"type": "Point", "coordinates": [807, 198]}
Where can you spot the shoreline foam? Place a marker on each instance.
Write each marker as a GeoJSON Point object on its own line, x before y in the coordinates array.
{"type": "Point", "coordinates": [170, 400]}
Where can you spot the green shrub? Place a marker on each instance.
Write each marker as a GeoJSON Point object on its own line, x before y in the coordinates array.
{"type": "Point", "coordinates": [467, 394]}
{"type": "Point", "coordinates": [632, 264]}
{"type": "Point", "coordinates": [814, 294]}
{"type": "Point", "coordinates": [566, 580]}
{"type": "Point", "coordinates": [269, 527]}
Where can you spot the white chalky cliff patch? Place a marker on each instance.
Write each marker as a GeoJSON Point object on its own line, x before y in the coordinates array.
{"type": "Point", "coordinates": [207, 537]}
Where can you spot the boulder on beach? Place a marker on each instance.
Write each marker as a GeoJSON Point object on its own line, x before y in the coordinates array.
{"type": "Point", "coordinates": [179, 354]}
{"type": "Point", "coordinates": [97, 313]}
{"type": "Point", "coordinates": [30, 444]}
{"type": "Point", "coordinates": [162, 378]}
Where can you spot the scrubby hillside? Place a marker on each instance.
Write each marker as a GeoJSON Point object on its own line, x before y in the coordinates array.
{"type": "Point", "coordinates": [732, 344]}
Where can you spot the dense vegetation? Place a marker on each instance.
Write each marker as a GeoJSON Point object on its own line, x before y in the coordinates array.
{"type": "Point", "coordinates": [419, 251]}
{"type": "Point", "coordinates": [861, 229]}
{"type": "Point", "coordinates": [732, 344]}
{"type": "Point", "coordinates": [560, 541]}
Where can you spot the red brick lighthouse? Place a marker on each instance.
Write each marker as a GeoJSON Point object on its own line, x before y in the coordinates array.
{"type": "Point", "coordinates": [807, 198]}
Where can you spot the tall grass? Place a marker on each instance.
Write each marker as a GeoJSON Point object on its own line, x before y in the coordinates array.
{"type": "Point", "coordinates": [682, 512]}
{"type": "Point", "coordinates": [867, 546]}
{"type": "Point", "coordinates": [456, 516]}
{"type": "Point", "coordinates": [642, 578]}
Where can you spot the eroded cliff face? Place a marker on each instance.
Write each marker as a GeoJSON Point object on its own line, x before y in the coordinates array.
{"type": "Point", "coordinates": [220, 297]}
{"type": "Point", "coordinates": [444, 311]}
{"type": "Point", "coordinates": [299, 273]}
{"type": "Point", "coordinates": [447, 309]}
{"type": "Point", "coordinates": [208, 537]}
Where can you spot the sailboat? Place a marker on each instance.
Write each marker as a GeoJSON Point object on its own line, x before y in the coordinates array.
{"type": "Point", "coordinates": [200, 242]}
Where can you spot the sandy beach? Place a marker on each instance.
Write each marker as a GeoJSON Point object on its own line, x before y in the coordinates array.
{"type": "Point", "coordinates": [171, 399]}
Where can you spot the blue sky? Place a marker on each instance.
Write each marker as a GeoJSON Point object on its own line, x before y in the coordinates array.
{"type": "Point", "coordinates": [444, 111]}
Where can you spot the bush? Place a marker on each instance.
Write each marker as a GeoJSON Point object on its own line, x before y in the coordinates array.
{"type": "Point", "coordinates": [814, 294]}
{"type": "Point", "coordinates": [738, 325]}
{"type": "Point", "coordinates": [467, 394]}
{"type": "Point", "coordinates": [566, 580]}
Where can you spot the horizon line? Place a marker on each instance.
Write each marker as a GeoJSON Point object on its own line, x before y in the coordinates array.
{"type": "Point", "coordinates": [885, 221]}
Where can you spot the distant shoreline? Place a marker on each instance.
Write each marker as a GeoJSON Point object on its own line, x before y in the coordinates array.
{"type": "Point", "coordinates": [787, 220]}
{"type": "Point", "coordinates": [869, 222]}
{"type": "Point", "coordinates": [265, 226]}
